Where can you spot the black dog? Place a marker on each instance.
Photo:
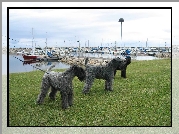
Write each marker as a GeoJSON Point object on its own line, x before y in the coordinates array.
{"type": "Point", "coordinates": [123, 66]}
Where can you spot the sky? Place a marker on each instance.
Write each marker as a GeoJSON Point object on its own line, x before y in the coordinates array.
{"type": "Point", "coordinates": [99, 27]}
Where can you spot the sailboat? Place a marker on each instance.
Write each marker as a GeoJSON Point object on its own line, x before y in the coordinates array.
{"type": "Point", "coordinates": [32, 55]}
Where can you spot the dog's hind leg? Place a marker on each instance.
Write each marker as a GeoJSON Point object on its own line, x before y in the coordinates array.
{"type": "Point", "coordinates": [70, 98]}
{"type": "Point", "coordinates": [52, 93]}
{"type": "Point", "coordinates": [42, 94]}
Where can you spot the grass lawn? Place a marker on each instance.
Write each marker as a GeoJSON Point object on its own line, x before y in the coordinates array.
{"type": "Point", "coordinates": [142, 99]}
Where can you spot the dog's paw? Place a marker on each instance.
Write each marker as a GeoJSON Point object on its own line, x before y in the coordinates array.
{"type": "Point", "coordinates": [85, 92]}
{"type": "Point", "coordinates": [38, 102]}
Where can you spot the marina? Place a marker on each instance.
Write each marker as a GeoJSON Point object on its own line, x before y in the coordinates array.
{"type": "Point", "coordinates": [63, 57]}
{"type": "Point", "coordinates": [61, 62]}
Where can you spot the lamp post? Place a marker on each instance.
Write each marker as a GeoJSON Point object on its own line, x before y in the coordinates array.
{"type": "Point", "coordinates": [121, 20]}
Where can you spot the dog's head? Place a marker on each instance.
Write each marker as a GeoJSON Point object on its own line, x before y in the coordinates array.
{"type": "Point", "coordinates": [124, 63]}
{"type": "Point", "coordinates": [115, 62]}
{"type": "Point", "coordinates": [79, 72]}
{"type": "Point", "coordinates": [128, 60]}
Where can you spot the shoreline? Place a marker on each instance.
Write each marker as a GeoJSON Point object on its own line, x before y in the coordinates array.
{"type": "Point", "coordinates": [69, 65]}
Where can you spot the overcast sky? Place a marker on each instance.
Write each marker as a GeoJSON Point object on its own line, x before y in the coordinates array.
{"type": "Point", "coordinates": [64, 27]}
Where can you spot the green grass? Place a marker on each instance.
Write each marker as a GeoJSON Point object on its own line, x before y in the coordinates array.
{"type": "Point", "coordinates": [142, 99]}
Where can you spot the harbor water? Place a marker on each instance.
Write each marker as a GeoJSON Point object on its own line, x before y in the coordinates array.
{"type": "Point", "coordinates": [16, 66]}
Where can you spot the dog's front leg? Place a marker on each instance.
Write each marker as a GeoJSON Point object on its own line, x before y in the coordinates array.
{"type": "Point", "coordinates": [64, 97]}
{"type": "Point", "coordinates": [115, 72]}
{"type": "Point", "coordinates": [88, 83]}
{"type": "Point", "coordinates": [123, 73]}
{"type": "Point", "coordinates": [108, 85]}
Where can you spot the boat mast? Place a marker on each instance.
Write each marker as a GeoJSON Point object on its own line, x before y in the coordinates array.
{"type": "Point", "coordinates": [46, 43]}
{"type": "Point", "coordinates": [32, 43]}
{"type": "Point", "coordinates": [32, 37]}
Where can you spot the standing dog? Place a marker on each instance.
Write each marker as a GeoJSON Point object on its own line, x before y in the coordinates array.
{"type": "Point", "coordinates": [105, 72]}
{"type": "Point", "coordinates": [62, 82]}
{"type": "Point", "coordinates": [123, 66]}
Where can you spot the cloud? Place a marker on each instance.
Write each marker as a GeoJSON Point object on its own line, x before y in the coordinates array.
{"type": "Point", "coordinates": [95, 25]}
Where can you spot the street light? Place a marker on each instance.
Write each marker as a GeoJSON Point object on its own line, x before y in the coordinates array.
{"type": "Point", "coordinates": [121, 20]}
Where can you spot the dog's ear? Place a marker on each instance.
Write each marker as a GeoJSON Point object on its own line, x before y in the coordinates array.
{"type": "Point", "coordinates": [74, 67]}
{"type": "Point", "coordinates": [115, 59]}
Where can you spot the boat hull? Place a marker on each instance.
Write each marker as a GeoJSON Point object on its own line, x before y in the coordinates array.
{"type": "Point", "coordinates": [28, 57]}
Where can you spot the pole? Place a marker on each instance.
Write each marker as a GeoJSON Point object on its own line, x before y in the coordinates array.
{"type": "Point", "coordinates": [33, 49]}
{"type": "Point", "coordinates": [46, 44]}
{"type": "Point", "coordinates": [121, 31]}
{"type": "Point", "coordinates": [32, 38]}
{"type": "Point", "coordinates": [121, 20]}
{"type": "Point", "coordinates": [88, 44]}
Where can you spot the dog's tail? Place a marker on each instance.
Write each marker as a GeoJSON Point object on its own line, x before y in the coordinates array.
{"type": "Point", "coordinates": [86, 61]}
{"type": "Point", "coordinates": [50, 68]}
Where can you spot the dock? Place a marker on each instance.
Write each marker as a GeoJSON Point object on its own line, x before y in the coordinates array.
{"type": "Point", "coordinates": [49, 58]}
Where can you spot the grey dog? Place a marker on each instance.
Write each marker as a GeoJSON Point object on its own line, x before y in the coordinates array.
{"type": "Point", "coordinates": [60, 81]}
{"type": "Point", "coordinates": [105, 72]}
